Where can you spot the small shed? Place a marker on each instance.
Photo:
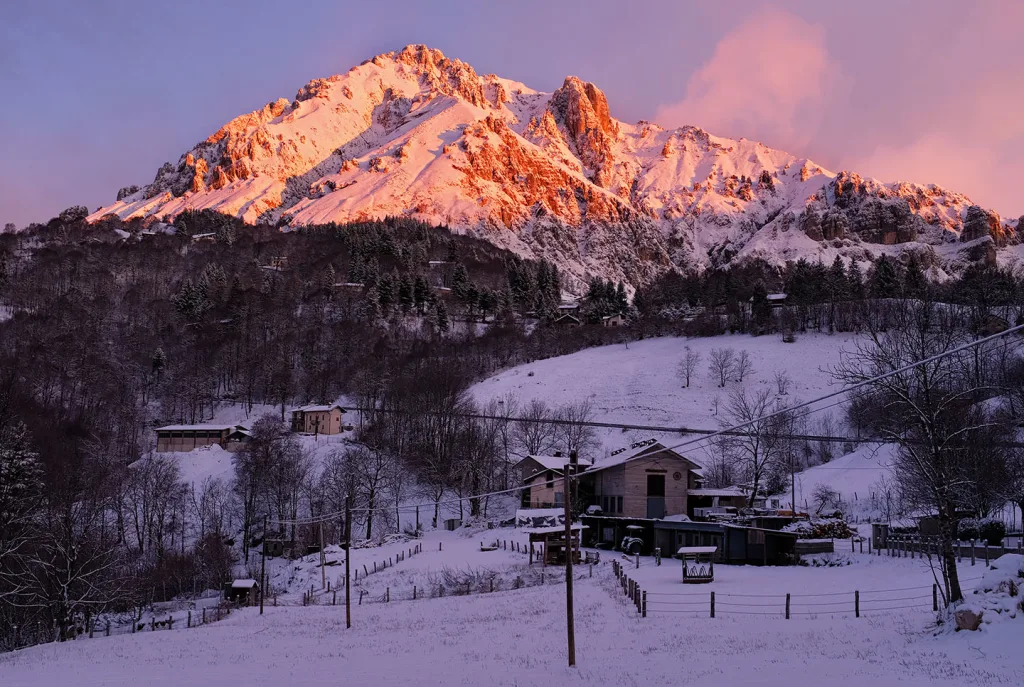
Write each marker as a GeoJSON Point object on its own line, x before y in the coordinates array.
{"type": "Point", "coordinates": [245, 591]}
{"type": "Point", "coordinates": [698, 563]}
{"type": "Point", "coordinates": [552, 541]}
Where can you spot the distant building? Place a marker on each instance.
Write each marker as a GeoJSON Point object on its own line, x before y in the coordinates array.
{"type": "Point", "coordinates": [245, 592]}
{"type": "Point", "coordinates": [567, 321]}
{"type": "Point", "coordinates": [183, 438]}
{"type": "Point", "coordinates": [318, 419]}
{"type": "Point", "coordinates": [616, 320]}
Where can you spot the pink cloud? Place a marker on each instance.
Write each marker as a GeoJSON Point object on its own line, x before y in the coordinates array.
{"type": "Point", "coordinates": [768, 79]}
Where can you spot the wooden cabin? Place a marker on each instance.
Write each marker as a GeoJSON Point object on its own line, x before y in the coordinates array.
{"type": "Point", "coordinates": [184, 438]}
{"type": "Point", "coordinates": [552, 543]}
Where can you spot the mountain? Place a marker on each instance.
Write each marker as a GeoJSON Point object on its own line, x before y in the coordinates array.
{"type": "Point", "coordinates": [550, 175]}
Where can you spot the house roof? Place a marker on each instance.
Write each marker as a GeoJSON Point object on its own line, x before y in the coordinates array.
{"type": "Point", "coordinates": [567, 316]}
{"type": "Point", "coordinates": [319, 408]}
{"type": "Point", "coordinates": [243, 584]}
{"type": "Point", "coordinates": [196, 428]}
{"type": "Point", "coordinates": [776, 296]}
{"type": "Point", "coordinates": [635, 450]}
{"type": "Point", "coordinates": [608, 317]}
{"type": "Point", "coordinates": [568, 306]}
{"type": "Point", "coordinates": [554, 462]}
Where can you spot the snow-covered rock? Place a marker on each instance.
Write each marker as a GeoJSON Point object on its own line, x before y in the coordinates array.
{"type": "Point", "coordinates": [549, 175]}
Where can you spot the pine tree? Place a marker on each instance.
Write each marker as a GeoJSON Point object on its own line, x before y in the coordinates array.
{"type": "Point", "coordinates": [441, 316]}
{"type": "Point", "coordinates": [915, 284]}
{"type": "Point", "coordinates": [385, 293]}
{"type": "Point", "coordinates": [838, 281]}
{"type": "Point", "coordinates": [20, 480]}
{"type": "Point", "coordinates": [330, 277]}
{"type": "Point", "coordinates": [461, 283]}
{"type": "Point", "coordinates": [855, 280]}
{"type": "Point", "coordinates": [885, 281]}
{"type": "Point", "coordinates": [406, 299]}
{"type": "Point", "coordinates": [420, 293]}
{"type": "Point", "coordinates": [621, 301]}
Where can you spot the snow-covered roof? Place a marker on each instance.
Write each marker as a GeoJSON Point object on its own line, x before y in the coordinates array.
{"type": "Point", "coordinates": [569, 306]}
{"type": "Point", "coordinates": [608, 317]}
{"type": "Point", "coordinates": [696, 549]}
{"type": "Point", "coordinates": [628, 453]}
{"type": "Point", "coordinates": [776, 296]}
{"type": "Point", "coordinates": [194, 428]}
{"type": "Point", "coordinates": [350, 284]}
{"type": "Point", "coordinates": [728, 491]}
{"type": "Point", "coordinates": [318, 408]}
{"type": "Point", "coordinates": [556, 462]}
{"type": "Point", "coordinates": [244, 584]}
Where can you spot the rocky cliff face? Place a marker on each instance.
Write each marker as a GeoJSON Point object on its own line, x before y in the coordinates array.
{"type": "Point", "coordinates": [553, 175]}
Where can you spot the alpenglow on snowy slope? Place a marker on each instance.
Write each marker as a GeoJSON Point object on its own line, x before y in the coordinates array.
{"type": "Point", "coordinates": [550, 175]}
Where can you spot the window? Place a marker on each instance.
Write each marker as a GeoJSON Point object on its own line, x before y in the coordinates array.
{"type": "Point", "coordinates": [558, 498]}
{"type": "Point", "coordinates": [618, 506]}
{"type": "Point", "coordinates": [550, 479]}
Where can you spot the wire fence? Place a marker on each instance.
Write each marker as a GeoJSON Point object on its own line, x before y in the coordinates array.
{"type": "Point", "coordinates": [711, 604]}
{"type": "Point", "coordinates": [110, 625]}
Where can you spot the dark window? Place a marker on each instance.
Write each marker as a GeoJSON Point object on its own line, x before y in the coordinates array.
{"type": "Point", "coordinates": [550, 479]}
{"type": "Point", "coordinates": [618, 508]}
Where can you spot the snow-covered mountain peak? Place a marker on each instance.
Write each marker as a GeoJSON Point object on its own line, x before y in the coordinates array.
{"type": "Point", "coordinates": [554, 175]}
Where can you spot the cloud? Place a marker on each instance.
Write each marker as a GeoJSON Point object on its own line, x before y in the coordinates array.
{"type": "Point", "coordinates": [768, 79]}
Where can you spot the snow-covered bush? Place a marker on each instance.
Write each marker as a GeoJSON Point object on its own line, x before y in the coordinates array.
{"type": "Point", "coordinates": [828, 560]}
{"type": "Point", "coordinates": [827, 528]}
{"type": "Point", "coordinates": [998, 595]}
{"type": "Point", "coordinates": [990, 530]}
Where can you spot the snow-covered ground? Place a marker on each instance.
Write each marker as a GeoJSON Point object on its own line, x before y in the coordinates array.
{"type": "Point", "coordinates": [517, 637]}
{"type": "Point", "coordinates": [636, 383]}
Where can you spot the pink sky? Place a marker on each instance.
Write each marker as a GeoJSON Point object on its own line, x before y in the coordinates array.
{"type": "Point", "coordinates": [100, 94]}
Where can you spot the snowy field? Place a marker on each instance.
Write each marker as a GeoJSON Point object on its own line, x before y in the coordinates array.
{"type": "Point", "coordinates": [517, 637]}
{"type": "Point", "coordinates": [636, 383]}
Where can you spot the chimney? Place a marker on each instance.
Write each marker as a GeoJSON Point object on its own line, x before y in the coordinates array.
{"type": "Point", "coordinates": [558, 454]}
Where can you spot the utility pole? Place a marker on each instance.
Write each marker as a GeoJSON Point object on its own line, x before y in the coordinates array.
{"type": "Point", "coordinates": [570, 623]}
{"type": "Point", "coordinates": [348, 557]}
{"type": "Point", "coordinates": [323, 560]}
{"type": "Point", "coordinates": [263, 564]}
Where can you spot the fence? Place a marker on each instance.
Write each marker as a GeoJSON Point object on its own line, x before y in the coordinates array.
{"type": "Point", "coordinates": [912, 546]}
{"type": "Point", "coordinates": [486, 583]}
{"type": "Point", "coordinates": [104, 626]}
{"type": "Point", "coordinates": [713, 604]}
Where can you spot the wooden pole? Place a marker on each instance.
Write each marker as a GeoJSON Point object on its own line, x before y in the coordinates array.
{"type": "Point", "coordinates": [856, 603]}
{"type": "Point", "coordinates": [567, 498]}
{"type": "Point", "coordinates": [348, 559]}
{"type": "Point", "coordinates": [263, 564]}
{"type": "Point", "coordinates": [787, 606]}
{"type": "Point", "coordinates": [712, 604]}
{"type": "Point", "coordinates": [323, 559]}
{"type": "Point", "coordinates": [935, 597]}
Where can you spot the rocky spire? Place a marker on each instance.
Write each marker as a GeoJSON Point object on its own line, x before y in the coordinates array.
{"type": "Point", "coordinates": [582, 109]}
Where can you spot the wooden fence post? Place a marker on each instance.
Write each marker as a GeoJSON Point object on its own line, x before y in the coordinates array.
{"type": "Point", "coordinates": [986, 552]}
{"type": "Point", "coordinates": [973, 545]}
{"type": "Point", "coordinates": [856, 603]}
{"type": "Point", "coordinates": [387, 595]}
{"type": "Point", "coordinates": [712, 604]}
{"type": "Point", "coordinates": [189, 620]}
{"type": "Point", "coordinates": [644, 601]}
{"type": "Point", "coordinates": [204, 616]}
{"type": "Point", "coordinates": [334, 598]}
{"type": "Point", "coordinates": [935, 597]}
{"type": "Point", "coordinates": [107, 631]}
{"type": "Point", "coordinates": [414, 592]}
{"type": "Point", "coordinates": [787, 606]}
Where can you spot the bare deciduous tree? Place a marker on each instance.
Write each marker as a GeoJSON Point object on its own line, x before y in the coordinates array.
{"type": "Point", "coordinates": [722, 365]}
{"type": "Point", "coordinates": [758, 445]}
{"type": "Point", "coordinates": [928, 411]}
{"type": "Point", "coordinates": [687, 366]}
{"type": "Point", "coordinates": [574, 434]}
{"type": "Point", "coordinates": [536, 435]}
{"type": "Point", "coordinates": [782, 383]}
{"type": "Point", "coordinates": [744, 366]}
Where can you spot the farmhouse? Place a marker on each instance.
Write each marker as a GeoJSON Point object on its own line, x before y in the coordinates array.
{"type": "Point", "coordinates": [615, 320]}
{"type": "Point", "coordinates": [567, 320]}
{"type": "Point", "coordinates": [645, 480]}
{"type": "Point", "coordinates": [318, 419]}
{"type": "Point", "coordinates": [543, 477]}
{"type": "Point", "coordinates": [182, 438]}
